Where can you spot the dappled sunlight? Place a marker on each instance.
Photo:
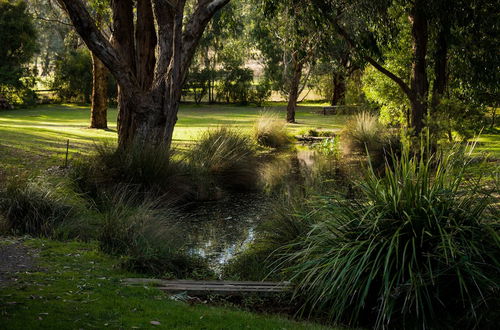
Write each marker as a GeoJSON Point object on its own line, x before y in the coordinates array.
{"type": "Point", "coordinates": [44, 130]}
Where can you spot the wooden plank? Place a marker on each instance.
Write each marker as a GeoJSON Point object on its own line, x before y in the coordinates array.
{"type": "Point", "coordinates": [155, 281]}
{"type": "Point", "coordinates": [312, 138]}
{"type": "Point", "coordinates": [220, 290]}
{"type": "Point", "coordinates": [243, 287]}
{"type": "Point", "coordinates": [212, 287]}
{"type": "Point", "coordinates": [228, 287]}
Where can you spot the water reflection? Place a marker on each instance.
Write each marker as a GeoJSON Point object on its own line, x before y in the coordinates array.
{"type": "Point", "coordinates": [221, 229]}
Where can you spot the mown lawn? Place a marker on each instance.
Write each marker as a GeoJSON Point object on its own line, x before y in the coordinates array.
{"type": "Point", "coordinates": [77, 287]}
{"type": "Point", "coordinates": [36, 137]}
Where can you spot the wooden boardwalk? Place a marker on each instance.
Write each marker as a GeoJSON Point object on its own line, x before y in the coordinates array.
{"type": "Point", "coordinates": [212, 287]}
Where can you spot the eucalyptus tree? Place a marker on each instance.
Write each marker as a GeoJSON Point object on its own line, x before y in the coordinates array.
{"type": "Point", "coordinates": [99, 108]}
{"type": "Point", "coordinates": [18, 45]}
{"type": "Point", "coordinates": [424, 30]}
{"type": "Point", "coordinates": [339, 61]}
{"type": "Point", "coordinates": [369, 26]}
{"type": "Point", "coordinates": [223, 31]}
{"type": "Point", "coordinates": [59, 50]}
{"type": "Point", "coordinates": [289, 43]}
{"type": "Point", "coordinates": [150, 82]}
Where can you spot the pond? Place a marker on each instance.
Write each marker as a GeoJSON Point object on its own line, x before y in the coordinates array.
{"type": "Point", "coordinates": [218, 230]}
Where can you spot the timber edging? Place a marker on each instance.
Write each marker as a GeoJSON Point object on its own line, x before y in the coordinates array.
{"type": "Point", "coordinates": [212, 287]}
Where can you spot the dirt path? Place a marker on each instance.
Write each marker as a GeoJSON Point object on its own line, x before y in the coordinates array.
{"type": "Point", "coordinates": [15, 258]}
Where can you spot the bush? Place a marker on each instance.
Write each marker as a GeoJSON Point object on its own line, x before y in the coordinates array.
{"type": "Point", "coordinates": [147, 237]}
{"type": "Point", "coordinates": [227, 156]}
{"type": "Point", "coordinates": [420, 248]}
{"type": "Point", "coordinates": [18, 37]}
{"type": "Point", "coordinates": [260, 93]}
{"type": "Point", "coordinates": [34, 208]}
{"type": "Point", "coordinates": [235, 85]}
{"type": "Point", "coordinates": [363, 132]}
{"type": "Point", "coordinates": [73, 76]}
{"type": "Point", "coordinates": [152, 170]}
{"type": "Point", "coordinates": [270, 131]}
{"type": "Point", "coordinates": [365, 135]}
{"type": "Point", "coordinates": [289, 222]}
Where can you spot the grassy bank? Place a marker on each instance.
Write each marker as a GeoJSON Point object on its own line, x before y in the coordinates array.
{"type": "Point", "coordinates": [76, 287]}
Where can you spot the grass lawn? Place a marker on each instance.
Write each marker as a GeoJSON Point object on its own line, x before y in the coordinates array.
{"type": "Point", "coordinates": [77, 287]}
{"type": "Point", "coordinates": [36, 137]}
{"type": "Point", "coordinates": [489, 143]}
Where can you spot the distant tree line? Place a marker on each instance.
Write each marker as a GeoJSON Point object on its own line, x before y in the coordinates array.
{"type": "Point", "coordinates": [421, 64]}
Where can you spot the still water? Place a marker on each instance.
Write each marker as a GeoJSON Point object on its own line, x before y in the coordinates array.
{"type": "Point", "coordinates": [218, 230]}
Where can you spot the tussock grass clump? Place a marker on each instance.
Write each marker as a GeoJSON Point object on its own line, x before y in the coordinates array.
{"type": "Point", "coordinates": [362, 132]}
{"type": "Point", "coordinates": [150, 169]}
{"type": "Point", "coordinates": [289, 222]}
{"type": "Point", "coordinates": [225, 155]}
{"type": "Point", "coordinates": [147, 236]}
{"type": "Point", "coordinates": [34, 207]}
{"type": "Point", "coordinates": [270, 131]}
{"type": "Point", "coordinates": [420, 249]}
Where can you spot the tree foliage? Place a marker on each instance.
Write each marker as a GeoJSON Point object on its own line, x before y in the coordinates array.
{"type": "Point", "coordinates": [18, 45]}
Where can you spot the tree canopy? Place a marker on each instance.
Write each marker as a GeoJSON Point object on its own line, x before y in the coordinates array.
{"type": "Point", "coordinates": [18, 40]}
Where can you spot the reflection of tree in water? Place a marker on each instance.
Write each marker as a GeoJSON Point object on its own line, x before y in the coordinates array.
{"type": "Point", "coordinates": [218, 230]}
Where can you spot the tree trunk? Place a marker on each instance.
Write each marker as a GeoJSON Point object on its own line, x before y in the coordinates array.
{"type": "Point", "coordinates": [98, 111]}
{"type": "Point", "coordinates": [148, 119]}
{"type": "Point", "coordinates": [440, 65]}
{"type": "Point", "coordinates": [294, 90]}
{"type": "Point", "coordinates": [149, 60]}
{"type": "Point", "coordinates": [339, 89]}
{"type": "Point", "coordinates": [419, 83]}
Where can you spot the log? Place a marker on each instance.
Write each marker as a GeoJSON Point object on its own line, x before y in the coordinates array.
{"type": "Point", "coordinates": [306, 138]}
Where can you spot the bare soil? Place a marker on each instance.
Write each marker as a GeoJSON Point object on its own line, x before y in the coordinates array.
{"type": "Point", "coordinates": [15, 258]}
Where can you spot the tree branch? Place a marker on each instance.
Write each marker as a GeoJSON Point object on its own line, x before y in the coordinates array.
{"type": "Point", "coordinates": [123, 30]}
{"type": "Point", "coordinates": [406, 89]}
{"type": "Point", "coordinates": [164, 13]}
{"type": "Point", "coordinates": [195, 27]}
{"type": "Point", "coordinates": [145, 41]}
{"type": "Point", "coordinates": [97, 43]}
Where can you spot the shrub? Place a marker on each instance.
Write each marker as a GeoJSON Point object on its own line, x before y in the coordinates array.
{"type": "Point", "coordinates": [289, 222]}
{"type": "Point", "coordinates": [362, 132]}
{"type": "Point", "coordinates": [147, 237]}
{"type": "Point", "coordinates": [419, 249]}
{"type": "Point", "coordinates": [225, 155]}
{"type": "Point", "coordinates": [152, 170]}
{"type": "Point", "coordinates": [34, 207]}
{"type": "Point", "coordinates": [73, 76]}
{"type": "Point", "coordinates": [313, 133]}
{"type": "Point", "coordinates": [270, 131]}
{"type": "Point", "coordinates": [235, 84]}
{"type": "Point", "coordinates": [260, 93]}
